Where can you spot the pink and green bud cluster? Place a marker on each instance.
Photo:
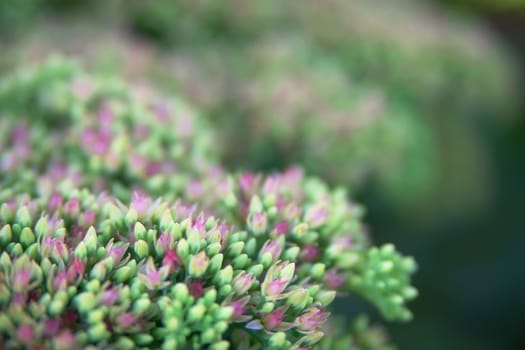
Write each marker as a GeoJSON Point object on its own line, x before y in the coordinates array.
{"type": "Point", "coordinates": [61, 127]}
{"type": "Point", "coordinates": [299, 219]}
{"type": "Point", "coordinates": [219, 261]}
{"type": "Point", "coordinates": [79, 270]}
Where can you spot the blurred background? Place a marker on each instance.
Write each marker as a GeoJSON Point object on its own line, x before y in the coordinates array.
{"type": "Point", "coordinates": [417, 107]}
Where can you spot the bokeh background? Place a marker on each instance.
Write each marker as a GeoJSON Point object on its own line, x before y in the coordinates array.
{"type": "Point", "coordinates": [418, 108]}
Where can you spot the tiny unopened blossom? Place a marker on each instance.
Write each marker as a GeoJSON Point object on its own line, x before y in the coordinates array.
{"type": "Point", "coordinates": [198, 264]}
{"type": "Point", "coordinates": [309, 252]}
{"type": "Point", "coordinates": [277, 279]}
{"type": "Point", "coordinates": [141, 203]}
{"type": "Point", "coordinates": [239, 309]}
{"type": "Point", "coordinates": [243, 282]}
{"type": "Point", "coordinates": [152, 277]}
{"type": "Point", "coordinates": [273, 249]}
{"type": "Point", "coordinates": [316, 215]}
{"type": "Point", "coordinates": [258, 222]}
{"type": "Point", "coordinates": [274, 321]}
{"type": "Point", "coordinates": [311, 320]}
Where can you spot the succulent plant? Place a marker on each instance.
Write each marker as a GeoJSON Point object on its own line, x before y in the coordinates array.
{"type": "Point", "coordinates": [83, 270]}
{"type": "Point", "coordinates": [119, 230]}
{"type": "Point", "coordinates": [59, 123]}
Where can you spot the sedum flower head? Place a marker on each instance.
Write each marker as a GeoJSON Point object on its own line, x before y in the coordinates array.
{"type": "Point", "coordinates": [73, 129]}
{"type": "Point", "coordinates": [144, 284]}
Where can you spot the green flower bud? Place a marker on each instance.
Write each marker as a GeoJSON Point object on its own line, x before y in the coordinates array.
{"type": "Point", "coordinates": [141, 305]}
{"type": "Point", "coordinates": [141, 248]}
{"type": "Point", "coordinates": [216, 263]}
{"type": "Point", "coordinates": [95, 316]}
{"type": "Point", "coordinates": [6, 214]}
{"type": "Point", "coordinates": [98, 332]}
{"type": "Point", "coordinates": [124, 343]}
{"type": "Point", "coordinates": [223, 313]}
{"type": "Point", "coordinates": [180, 291]}
{"type": "Point", "coordinates": [256, 270]}
{"type": "Point", "coordinates": [208, 336]}
{"type": "Point", "coordinates": [90, 240]}
{"type": "Point", "coordinates": [183, 249]}
{"type": "Point", "coordinates": [291, 253]}
{"type": "Point", "coordinates": [241, 261]}
{"type": "Point", "coordinates": [6, 236]}
{"type": "Point", "coordinates": [41, 226]}
{"type": "Point", "coordinates": [298, 298]}
{"type": "Point", "coordinates": [81, 251]}
{"type": "Point", "coordinates": [277, 341]}
{"type": "Point", "coordinates": [267, 307]}
{"type": "Point", "coordinates": [326, 297]}
{"type": "Point", "coordinates": [23, 217]}
{"type": "Point", "coordinates": [224, 276]}
{"type": "Point", "coordinates": [213, 249]}
{"type": "Point", "coordinates": [255, 205]}
{"type": "Point", "coordinates": [139, 231]}
{"type": "Point", "coordinates": [251, 247]}
{"type": "Point", "coordinates": [235, 249]}
{"type": "Point", "coordinates": [221, 345]}
{"type": "Point", "coordinates": [131, 217]}
{"type": "Point", "coordinates": [16, 249]}
{"type": "Point", "coordinates": [27, 237]}
{"type": "Point", "coordinates": [196, 313]}
{"type": "Point", "coordinates": [317, 270]}
{"type": "Point", "coordinates": [198, 264]}
{"type": "Point", "coordinates": [85, 302]}
{"type": "Point", "coordinates": [33, 251]}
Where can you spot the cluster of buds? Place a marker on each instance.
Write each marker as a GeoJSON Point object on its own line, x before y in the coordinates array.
{"type": "Point", "coordinates": [302, 220]}
{"type": "Point", "coordinates": [62, 127]}
{"type": "Point", "coordinates": [104, 275]}
{"type": "Point", "coordinates": [221, 261]}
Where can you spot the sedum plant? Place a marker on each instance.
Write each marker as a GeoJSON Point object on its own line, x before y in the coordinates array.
{"type": "Point", "coordinates": [97, 132]}
{"type": "Point", "coordinates": [195, 258]}
{"type": "Point", "coordinates": [79, 270]}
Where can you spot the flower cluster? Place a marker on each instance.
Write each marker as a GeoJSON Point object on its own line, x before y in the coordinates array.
{"type": "Point", "coordinates": [79, 270]}
{"type": "Point", "coordinates": [61, 126]}
{"type": "Point", "coordinates": [195, 258]}
{"type": "Point", "coordinates": [318, 228]}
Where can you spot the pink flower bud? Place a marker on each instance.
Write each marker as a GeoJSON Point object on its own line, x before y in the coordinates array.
{"type": "Point", "coordinates": [126, 319]}
{"type": "Point", "coordinates": [258, 222]}
{"type": "Point", "coordinates": [25, 334]}
{"type": "Point", "coordinates": [55, 202]}
{"type": "Point", "coordinates": [247, 182]}
{"type": "Point", "coordinates": [281, 228]}
{"type": "Point", "coordinates": [72, 207]}
{"type": "Point", "coordinates": [243, 282]}
{"type": "Point", "coordinates": [273, 247]}
{"type": "Point", "coordinates": [310, 252]}
{"type": "Point", "coordinates": [141, 203]}
{"type": "Point", "coordinates": [316, 215]}
{"type": "Point", "coordinates": [311, 320]}
{"type": "Point", "coordinates": [273, 319]}
{"type": "Point", "coordinates": [196, 288]}
{"type": "Point", "coordinates": [333, 280]}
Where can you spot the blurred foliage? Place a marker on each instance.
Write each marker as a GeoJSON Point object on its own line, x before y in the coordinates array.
{"type": "Point", "coordinates": [381, 93]}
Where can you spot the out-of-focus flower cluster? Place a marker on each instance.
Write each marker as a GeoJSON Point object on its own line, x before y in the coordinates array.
{"type": "Point", "coordinates": [62, 127]}
{"type": "Point", "coordinates": [356, 92]}
{"type": "Point", "coordinates": [243, 261]}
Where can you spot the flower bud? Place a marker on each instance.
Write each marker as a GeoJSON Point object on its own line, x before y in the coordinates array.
{"type": "Point", "coordinates": [198, 264]}
{"type": "Point", "coordinates": [141, 249]}
{"type": "Point", "coordinates": [298, 298]}
{"type": "Point", "coordinates": [243, 282]}
{"type": "Point", "coordinates": [6, 236]}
